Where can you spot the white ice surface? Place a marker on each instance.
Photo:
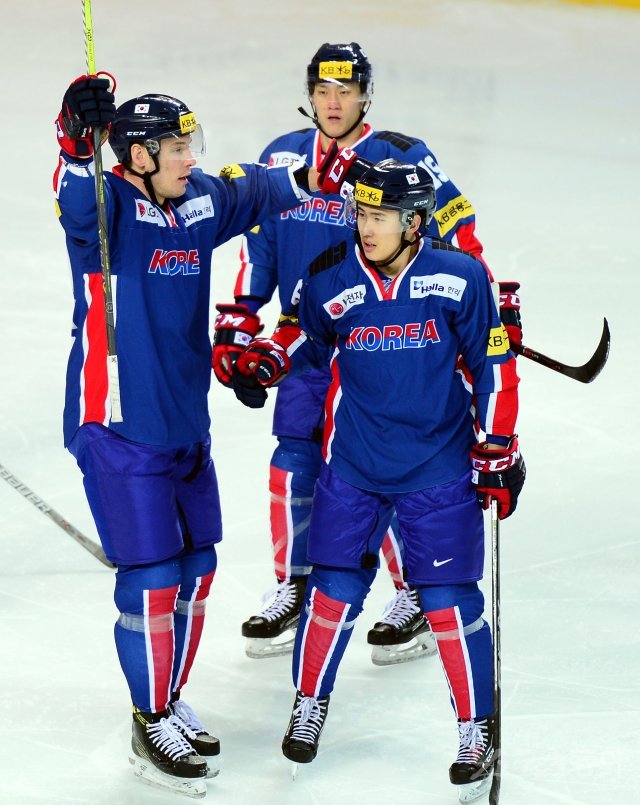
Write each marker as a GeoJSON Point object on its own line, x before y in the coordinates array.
{"type": "Point", "coordinates": [533, 111]}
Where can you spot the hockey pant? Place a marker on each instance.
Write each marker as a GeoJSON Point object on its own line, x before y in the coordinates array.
{"type": "Point", "coordinates": [162, 609]}
{"type": "Point", "coordinates": [295, 467]}
{"type": "Point", "coordinates": [334, 599]}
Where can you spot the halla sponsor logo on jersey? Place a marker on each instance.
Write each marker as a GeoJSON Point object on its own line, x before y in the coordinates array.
{"type": "Point", "coordinates": [438, 285]}
{"type": "Point", "coordinates": [149, 213]}
{"type": "Point", "coordinates": [414, 335]}
{"type": "Point", "coordinates": [175, 262]}
{"type": "Point", "coordinates": [320, 210]}
{"type": "Point", "coordinates": [339, 305]}
{"type": "Point", "coordinates": [196, 209]}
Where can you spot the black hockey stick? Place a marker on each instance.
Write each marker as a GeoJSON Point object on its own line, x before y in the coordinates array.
{"type": "Point", "coordinates": [52, 514]}
{"type": "Point", "coordinates": [585, 373]}
{"type": "Point", "coordinates": [494, 794]}
{"type": "Point", "coordinates": [105, 259]}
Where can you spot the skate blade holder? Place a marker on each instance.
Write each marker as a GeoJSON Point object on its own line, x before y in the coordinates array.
{"type": "Point", "coordinates": [195, 788]}
{"type": "Point", "coordinates": [424, 645]}
{"type": "Point", "coordinates": [259, 648]}
{"type": "Point", "coordinates": [472, 792]}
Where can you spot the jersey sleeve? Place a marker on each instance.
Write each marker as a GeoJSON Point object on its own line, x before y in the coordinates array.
{"type": "Point", "coordinates": [258, 274]}
{"type": "Point", "coordinates": [454, 219]}
{"type": "Point", "coordinates": [484, 346]}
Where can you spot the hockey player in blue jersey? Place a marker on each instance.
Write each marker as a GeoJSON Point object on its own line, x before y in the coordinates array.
{"type": "Point", "coordinates": [150, 479]}
{"type": "Point", "coordinates": [339, 86]}
{"type": "Point", "coordinates": [396, 309]}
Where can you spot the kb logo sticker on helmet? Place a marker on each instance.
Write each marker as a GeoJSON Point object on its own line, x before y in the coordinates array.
{"type": "Point", "coordinates": [187, 122]}
{"type": "Point", "coordinates": [335, 69]}
{"type": "Point", "coordinates": [367, 195]}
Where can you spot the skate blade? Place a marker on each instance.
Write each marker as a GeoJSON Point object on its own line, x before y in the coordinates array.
{"type": "Point", "coordinates": [146, 772]}
{"type": "Point", "coordinates": [472, 792]}
{"type": "Point", "coordinates": [423, 645]}
{"type": "Point", "coordinates": [212, 771]}
{"type": "Point", "coordinates": [260, 648]}
{"type": "Point", "coordinates": [294, 771]}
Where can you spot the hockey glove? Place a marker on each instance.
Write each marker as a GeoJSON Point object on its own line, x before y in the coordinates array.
{"type": "Point", "coordinates": [235, 326]}
{"type": "Point", "coordinates": [263, 364]}
{"type": "Point", "coordinates": [510, 311]}
{"type": "Point", "coordinates": [340, 165]}
{"type": "Point", "coordinates": [87, 104]}
{"type": "Point", "coordinates": [499, 474]}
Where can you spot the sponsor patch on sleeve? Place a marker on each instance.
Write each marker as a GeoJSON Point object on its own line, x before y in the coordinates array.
{"type": "Point", "coordinates": [454, 211]}
{"type": "Point", "coordinates": [232, 172]}
{"type": "Point", "coordinates": [498, 341]}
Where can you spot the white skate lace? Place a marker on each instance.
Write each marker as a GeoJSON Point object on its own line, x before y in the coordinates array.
{"type": "Point", "coordinates": [167, 735]}
{"type": "Point", "coordinates": [401, 609]}
{"type": "Point", "coordinates": [285, 598]}
{"type": "Point", "coordinates": [308, 720]}
{"type": "Point", "coordinates": [474, 737]}
{"type": "Point", "coordinates": [185, 714]}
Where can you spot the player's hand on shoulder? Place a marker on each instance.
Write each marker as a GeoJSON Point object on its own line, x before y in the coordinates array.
{"type": "Point", "coordinates": [87, 104]}
{"type": "Point", "coordinates": [498, 472]}
{"type": "Point", "coordinates": [234, 328]}
{"type": "Point", "coordinates": [339, 166]}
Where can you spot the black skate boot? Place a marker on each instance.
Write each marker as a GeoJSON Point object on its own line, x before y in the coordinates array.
{"type": "Point", "coordinates": [272, 632]}
{"type": "Point", "coordinates": [163, 758]}
{"type": "Point", "coordinates": [403, 623]}
{"type": "Point", "coordinates": [472, 770]}
{"type": "Point", "coordinates": [300, 743]}
{"type": "Point", "coordinates": [188, 723]}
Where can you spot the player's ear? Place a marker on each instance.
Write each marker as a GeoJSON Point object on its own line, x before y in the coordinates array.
{"type": "Point", "coordinates": [139, 156]}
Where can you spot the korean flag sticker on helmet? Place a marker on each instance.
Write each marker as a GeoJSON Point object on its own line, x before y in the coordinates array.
{"type": "Point", "coordinates": [412, 178]}
{"type": "Point", "coordinates": [141, 109]}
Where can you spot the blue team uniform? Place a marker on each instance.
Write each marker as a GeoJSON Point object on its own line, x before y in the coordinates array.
{"type": "Point", "coordinates": [398, 430]}
{"type": "Point", "coordinates": [150, 479]}
{"type": "Point", "coordinates": [274, 255]}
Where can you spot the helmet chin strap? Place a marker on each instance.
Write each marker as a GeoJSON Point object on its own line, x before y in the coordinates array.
{"type": "Point", "coordinates": [316, 122]}
{"type": "Point", "coordinates": [404, 244]}
{"type": "Point", "coordinates": [146, 178]}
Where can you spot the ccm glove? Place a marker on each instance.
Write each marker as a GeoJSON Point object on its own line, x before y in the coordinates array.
{"type": "Point", "coordinates": [340, 165]}
{"type": "Point", "coordinates": [88, 103]}
{"type": "Point", "coordinates": [263, 364]}
{"type": "Point", "coordinates": [510, 311]}
{"type": "Point", "coordinates": [234, 329]}
{"type": "Point", "coordinates": [499, 474]}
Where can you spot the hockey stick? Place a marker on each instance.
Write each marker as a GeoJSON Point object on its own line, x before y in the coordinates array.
{"type": "Point", "coordinates": [585, 373]}
{"type": "Point", "coordinates": [494, 794]}
{"type": "Point", "coordinates": [105, 260]}
{"type": "Point", "coordinates": [52, 514]}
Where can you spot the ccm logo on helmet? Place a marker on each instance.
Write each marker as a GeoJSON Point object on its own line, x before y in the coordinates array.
{"type": "Point", "coordinates": [175, 262]}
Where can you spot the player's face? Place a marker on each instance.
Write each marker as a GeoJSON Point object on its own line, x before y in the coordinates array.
{"type": "Point", "coordinates": [338, 106]}
{"type": "Point", "coordinates": [380, 232]}
{"type": "Point", "coordinates": [176, 159]}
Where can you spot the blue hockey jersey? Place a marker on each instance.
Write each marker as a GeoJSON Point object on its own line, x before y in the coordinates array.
{"type": "Point", "coordinates": [397, 415]}
{"type": "Point", "coordinates": [275, 254]}
{"type": "Point", "coordinates": [160, 266]}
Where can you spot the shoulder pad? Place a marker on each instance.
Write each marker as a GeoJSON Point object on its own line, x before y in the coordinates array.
{"type": "Point", "coordinates": [331, 257]}
{"type": "Point", "coordinates": [400, 141]}
{"type": "Point", "coordinates": [438, 243]}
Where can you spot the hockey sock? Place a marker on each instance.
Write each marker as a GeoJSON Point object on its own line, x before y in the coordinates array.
{"type": "Point", "coordinates": [292, 476]}
{"type": "Point", "coordinates": [464, 645]}
{"type": "Point", "coordinates": [392, 552]}
{"type": "Point", "coordinates": [197, 569]}
{"type": "Point", "coordinates": [146, 598]}
{"type": "Point", "coordinates": [333, 602]}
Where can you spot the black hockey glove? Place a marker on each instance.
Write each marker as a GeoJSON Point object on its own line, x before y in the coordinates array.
{"type": "Point", "coordinates": [88, 103]}
{"type": "Point", "coordinates": [248, 390]}
{"type": "Point", "coordinates": [498, 473]}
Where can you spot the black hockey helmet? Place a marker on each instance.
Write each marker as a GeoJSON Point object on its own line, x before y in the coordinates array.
{"type": "Point", "coordinates": [338, 63]}
{"type": "Point", "coordinates": [395, 185]}
{"type": "Point", "coordinates": [150, 118]}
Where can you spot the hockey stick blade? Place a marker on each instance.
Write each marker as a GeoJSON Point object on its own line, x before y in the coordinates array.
{"type": "Point", "coordinates": [585, 373]}
{"type": "Point", "coordinates": [52, 514]}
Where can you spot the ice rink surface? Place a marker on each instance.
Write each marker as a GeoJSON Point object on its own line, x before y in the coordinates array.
{"type": "Point", "coordinates": [532, 109]}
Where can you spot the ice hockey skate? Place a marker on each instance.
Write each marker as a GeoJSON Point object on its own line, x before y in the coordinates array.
{"type": "Point", "coordinates": [300, 742]}
{"type": "Point", "coordinates": [272, 632]}
{"type": "Point", "coordinates": [188, 723]}
{"type": "Point", "coordinates": [472, 770]}
{"type": "Point", "coordinates": [163, 758]}
{"type": "Point", "coordinates": [403, 633]}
